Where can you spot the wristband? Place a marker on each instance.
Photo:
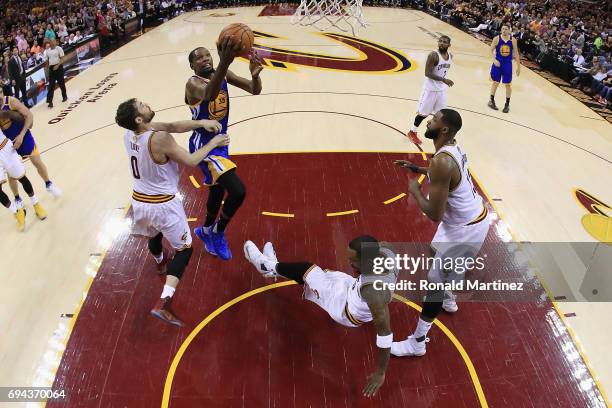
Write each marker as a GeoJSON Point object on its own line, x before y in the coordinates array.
{"type": "Point", "coordinates": [384, 341]}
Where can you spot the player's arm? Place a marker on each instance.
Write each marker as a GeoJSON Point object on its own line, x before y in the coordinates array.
{"type": "Point", "coordinates": [253, 86]}
{"type": "Point", "coordinates": [494, 43]}
{"type": "Point", "coordinates": [440, 177]}
{"type": "Point", "coordinates": [378, 301]}
{"type": "Point", "coordinates": [432, 61]}
{"type": "Point", "coordinates": [516, 56]}
{"type": "Point", "coordinates": [407, 164]}
{"type": "Point", "coordinates": [183, 126]}
{"type": "Point", "coordinates": [164, 143]}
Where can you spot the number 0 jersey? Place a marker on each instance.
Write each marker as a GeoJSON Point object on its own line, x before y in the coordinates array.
{"type": "Point", "coordinates": [151, 178]}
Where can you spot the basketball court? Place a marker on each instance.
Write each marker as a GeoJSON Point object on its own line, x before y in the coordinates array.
{"type": "Point", "coordinates": [316, 152]}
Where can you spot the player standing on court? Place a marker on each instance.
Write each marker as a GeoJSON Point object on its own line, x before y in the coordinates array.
{"type": "Point", "coordinates": [504, 50]}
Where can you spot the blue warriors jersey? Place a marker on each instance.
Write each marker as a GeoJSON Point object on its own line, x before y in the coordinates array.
{"type": "Point", "coordinates": [212, 110]}
{"type": "Point", "coordinates": [11, 129]}
{"type": "Point", "coordinates": [503, 51]}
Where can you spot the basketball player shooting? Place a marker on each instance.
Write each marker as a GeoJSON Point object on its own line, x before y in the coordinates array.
{"type": "Point", "coordinates": [349, 301]}
{"type": "Point", "coordinates": [504, 49]}
{"type": "Point", "coordinates": [464, 220]}
{"type": "Point", "coordinates": [433, 97]}
{"type": "Point", "coordinates": [207, 95]}
{"type": "Point", "coordinates": [158, 212]}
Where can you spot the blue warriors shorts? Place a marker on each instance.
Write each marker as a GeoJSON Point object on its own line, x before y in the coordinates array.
{"type": "Point", "coordinates": [28, 147]}
{"type": "Point", "coordinates": [502, 73]}
{"type": "Point", "coordinates": [213, 167]}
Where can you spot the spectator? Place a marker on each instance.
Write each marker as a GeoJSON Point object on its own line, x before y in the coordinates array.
{"type": "Point", "coordinates": [578, 60]}
{"type": "Point", "coordinates": [17, 76]}
{"type": "Point", "coordinates": [50, 33]}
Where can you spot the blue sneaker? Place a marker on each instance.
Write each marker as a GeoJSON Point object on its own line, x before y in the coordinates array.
{"type": "Point", "coordinates": [206, 239]}
{"type": "Point", "coordinates": [220, 244]}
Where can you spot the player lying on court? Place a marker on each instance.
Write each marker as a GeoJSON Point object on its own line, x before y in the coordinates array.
{"type": "Point", "coordinates": [12, 167]}
{"type": "Point", "coordinates": [463, 216]}
{"type": "Point", "coordinates": [349, 301]}
{"type": "Point", "coordinates": [207, 95]}
{"type": "Point", "coordinates": [18, 130]}
{"type": "Point", "coordinates": [158, 212]}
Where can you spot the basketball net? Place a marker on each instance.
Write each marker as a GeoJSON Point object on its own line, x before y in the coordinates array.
{"type": "Point", "coordinates": [345, 15]}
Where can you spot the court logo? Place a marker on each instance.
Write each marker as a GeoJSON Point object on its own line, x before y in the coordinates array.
{"type": "Point", "coordinates": [598, 221]}
{"type": "Point", "coordinates": [372, 58]}
{"type": "Point", "coordinates": [218, 108]}
{"type": "Point", "coordinates": [221, 14]}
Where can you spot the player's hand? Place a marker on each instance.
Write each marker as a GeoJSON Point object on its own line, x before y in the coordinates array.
{"type": "Point", "coordinates": [18, 141]}
{"type": "Point", "coordinates": [375, 381]}
{"type": "Point", "coordinates": [255, 65]}
{"type": "Point", "coordinates": [220, 140]}
{"type": "Point", "coordinates": [414, 186]}
{"type": "Point", "coordinates": [211, 125]}
{"type": "Point", "coordinates": [405, 164]}
{"type": "Point", "coordinates": [496, 63]}
{"type": "Point", "coordinates": [227, 51]}
{"type": "Point", "coordinates": [448, 82]}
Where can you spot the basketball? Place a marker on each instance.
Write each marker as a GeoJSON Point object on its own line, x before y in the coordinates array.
{"type": "Point", "coordinates": [239, 34]}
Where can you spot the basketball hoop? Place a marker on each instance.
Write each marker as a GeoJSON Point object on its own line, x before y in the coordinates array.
{"type": "Point", "coordinates": [345, 15]}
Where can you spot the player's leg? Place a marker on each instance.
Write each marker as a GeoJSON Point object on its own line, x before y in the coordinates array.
{"type": "Point", "coordinates": [267, 264]}
{"type": "Point", "coordinates": [507, 80]}
{"type": "Point", "coordinates": [19, 213]}
{"type": "Point", "coordinates": [27, 187]}
{"type": "Point", "coordinates": [15, 190]}
{"type": "Point", "coordinates": [234, 198]}
{"type": "Point", "coordinates": [176, 230]}
{"type": "Point", "coordinates": [41, 168]}
{"type": "Point", "coordinates": [495, 77]}
{"type": "Point", "coordinates": [213, 205]}
{"type": "Point", "coordinates": [424, 108]}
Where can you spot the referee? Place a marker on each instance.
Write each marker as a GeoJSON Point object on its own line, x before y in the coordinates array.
{"type": "Point", "coordinates": [54, 57]}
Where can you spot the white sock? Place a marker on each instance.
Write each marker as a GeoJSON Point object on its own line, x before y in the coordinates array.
{"type": "Point", "coordinates": [414, 128]}
{"type": "Point", "coordinates": [422, 328]}
{"type": "Point", "coordinates": [159, 258]}
{"type": "Point", "coordinates": [34, 199]}
{"type": "Point", "coordinates": [167, 292]}
{"type": "Point", "coordinates": [13, 207]}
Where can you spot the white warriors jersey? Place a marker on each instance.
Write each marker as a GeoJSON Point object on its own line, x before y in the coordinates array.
{"type": "Point", "coordinates": [357, 309]}
{"type": "Point", "coordinates": [464, 204]}
{"type": "Point", "coordinates": [440, 70]}
{"type": "Point", "coordinates": [150, 177]}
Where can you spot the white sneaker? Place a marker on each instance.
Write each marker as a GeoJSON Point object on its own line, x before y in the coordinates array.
{"type": "Point", "coordinates": [449, 304]}
{"type": "Point", "coordinates": [409, 347]}
{"type": "Point", "coordinates": [268, 251]}
{"type": "Point", "coordinates": [262, 263]}
{"type": "Point", "coordinates": [54, 191]}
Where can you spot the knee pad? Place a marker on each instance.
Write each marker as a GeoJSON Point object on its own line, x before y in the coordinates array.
{"type": "Point", "coordinates": [179, 263]}
{"type": "Point", "coordinates": [155, 244]}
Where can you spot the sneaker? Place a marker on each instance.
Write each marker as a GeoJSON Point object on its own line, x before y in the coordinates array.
{"type": "Point", "coordinates": [40, 212]}
{"type": "Point", "coordinates": [64, 99]}
{"type": "Point", "coordinates": [19, 203]}
{"type": "Point", "coordinates": [506, 109]}
{"type": "Point", "coordinates": [206, 238]}
{"type": "Point", "coordinates": [449, 304]}
{"type": "Point", "coordinates": [409, 347]}
{"type": "Point", "coordinates": [20, 215]}
{"type": "Point", "coordinates": [263, 264]}
{"type": "Point", "coordinates": [268, 251]}
{"type": "Point", "coordinates": [414, 138]}
{"type": "Point", "coordinates": [54, 191]}
{"type": "Point", "coordinates": [220, 245]}
{"type": "Point", "coordinates": [162, 311]}
{"type": "Point", "coordinates": [492, 105]}
{"type": "Point", "coordinates": [50, 104]}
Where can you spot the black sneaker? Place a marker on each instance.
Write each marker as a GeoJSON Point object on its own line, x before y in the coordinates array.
{"type": "Point", "coordinates": [64, 99]}
{"type": "Point", "coordinates": [492, 105]}
{"type": "Point", "coordinates": [50, 104]}
{"type": "Point", "coordinates": [506, 109]}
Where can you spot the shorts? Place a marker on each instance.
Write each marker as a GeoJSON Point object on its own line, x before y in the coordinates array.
{"type": "Point", "coordinates": [431, 102]}
{"type": "Point", "coordinates": [10, 162]}
{"type": "Point", "coordinates": [453, 242]}
{"type": "Point", "coordinates": [168, 218]}
{"type": "Point", "coordinates": [329, 290]}
{"type": "Point", "coordinates": [213, 167]}
{"type": "Point", "coordinates": [502, 73]}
